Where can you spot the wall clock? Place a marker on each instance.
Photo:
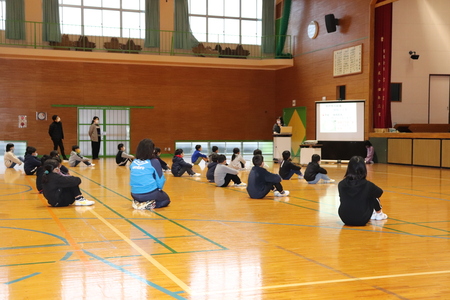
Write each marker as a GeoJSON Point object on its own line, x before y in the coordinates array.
{"type": "Point", "coordinates": [41, 116]}
{"type": "Point", "coordinates": [313, 29]}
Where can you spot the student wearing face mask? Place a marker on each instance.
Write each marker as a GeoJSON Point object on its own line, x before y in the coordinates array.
{"type": "Point", "coordinates": [10, 159]}
{"type": "Point", "coordinates": [95, 135]}
{"type": "Point", "coordinates": [31, 161]}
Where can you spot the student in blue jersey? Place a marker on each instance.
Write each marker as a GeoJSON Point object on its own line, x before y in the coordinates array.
{"type": "Point", "coordinates": [198, 156]}
{"type": "Point", "coordinates": [147, 178]}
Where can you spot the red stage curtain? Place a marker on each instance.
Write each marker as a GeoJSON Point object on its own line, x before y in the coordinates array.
{"type": "Point", "coordinates": [382, 67]}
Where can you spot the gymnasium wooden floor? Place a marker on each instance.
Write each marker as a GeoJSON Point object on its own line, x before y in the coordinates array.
{"type": "Point", "coordinates": [217, 243]}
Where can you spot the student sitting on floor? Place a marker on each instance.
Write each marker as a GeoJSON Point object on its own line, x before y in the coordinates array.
{"type": "Point", "coordinates": [314, 172]}
{"type": "Point", "coordinates": [75, 158]}
{"type": "Point", "coordinates": [63, 169]}
{"type": "Point", "coordinates": [198, 156]}
{"type": "Point", "coordinates": [224, 174]}
{"type": "Point", "coordinates": [147, 178]}
{"type": "Point", "coordinates": [60, 190]}
{"type": "Point", "coordinates": [237, 161]}
{"type": "Point", "coordinates": [163, 163]}
{"type": "Point", "coordinates": [259, 152]}
{"type": "Point", "coordinates": [40, 173]}
{"type": "Point", "coordinates": [212, 167]}
{"type": "Point", "coordinates": [261, 181]}
{"type": "Point", "coordinates": [359, 197]}
{"type": "Point", "coordinates": [287, 168]}
{"type": "Point", "coordinates": [179, 166]}
{"type": "Point", "coordinates": [31, 161]}
{"type": "Point", "coordinates": [214, 152]}
{"type": "Point", "coordinates": [122, 158]}
{"type": "Point", "coordinates": [10, 159]}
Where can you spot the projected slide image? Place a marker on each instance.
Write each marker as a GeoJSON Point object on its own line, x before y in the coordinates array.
{"type": "Point", "coordinates": [338, 117]}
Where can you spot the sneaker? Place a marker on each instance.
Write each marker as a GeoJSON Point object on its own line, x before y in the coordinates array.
{"type": "Point", "coordinates": [240, 184]}
{"type": "Point", "coordinates": [196, 175]}
{"type": "Point", "coordinates": [300, 176]}
{"type": "Point", "coordinates": [91, 165]}
{"type": "Point", "coordinates": [329, 181]}
{"type": "Point", "coordinates": [148, 205]}
{"type": "Point", "coordinates": [278, 194]}
{"type": "Point", "coordinates": [83, 202]}
{"type": "Point", "coordinates": [381, 216]}
{"type": "Point", "coordinates": [374, 215]}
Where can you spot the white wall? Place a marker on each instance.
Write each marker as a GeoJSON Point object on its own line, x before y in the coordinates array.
{"type": "Point", "coordinates": [422, 26]}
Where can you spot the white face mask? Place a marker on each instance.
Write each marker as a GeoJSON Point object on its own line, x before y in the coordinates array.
{"type": "Point", "coordinates": [35, 154]}
{"type": "Point", "coordinates": [278, 122]}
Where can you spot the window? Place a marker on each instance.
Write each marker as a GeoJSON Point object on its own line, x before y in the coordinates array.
{"type": "Point", "coordinates": [396, 91]}
{"type": "Point", "coordinates": [2, 14]}
{"type": "Point", "coordinates": [117, 18]}
{"type": "Point", "coordinates": [226, 21]}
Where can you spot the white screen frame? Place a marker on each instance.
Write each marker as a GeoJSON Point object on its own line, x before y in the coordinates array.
{"type": "Point", "coordinates": [355, 118]}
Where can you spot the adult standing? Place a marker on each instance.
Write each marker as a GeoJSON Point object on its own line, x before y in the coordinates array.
{"type": "Point", "coordinates": [95, 135]}
{"type": "Point", "coordinates": [277, 126]}
{"type": "Point", "coordinates": [55, 130]}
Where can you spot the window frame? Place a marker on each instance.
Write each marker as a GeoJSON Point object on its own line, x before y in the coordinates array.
{"type": "Point", "coordinates": [257, 19]}
{"type": "Point", "coordinates": [121, 10]}
{"type": "Point", "coordinates": [2, 14]}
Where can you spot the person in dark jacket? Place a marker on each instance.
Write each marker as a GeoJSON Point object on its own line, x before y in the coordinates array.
{"type": "Point", "coordinates": [31, 162]}
{"type": "Point", "coordinates": [122, 158]}
{"type": "Point", "coordinates": [314, 172]}
{"type": "Point", "coordinates": [179, 166]}
{"type": "Point", "coordinates": [40, 173]}
{"type": "Point", "coordinates": [359, 197]}
{"type": "Point", "coordinates": [55, 130]}
{"type": "Point", "coordinates": [211, 167]}
{"type": "Point", "coordinates": [63, 169]}
{"type": "Point", "coordinates": [164, 165]}
{"type": "Point", "coordinates": [261, 181]}
{"type": "Point", "coordinates": [60, 190]}
{"type": "Point", "coordinates": [287, 168]}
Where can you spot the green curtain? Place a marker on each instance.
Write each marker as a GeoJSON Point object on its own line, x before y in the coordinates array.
{"type": "Point", "coordinates": [51, 31]}
{"type": "Point", "coordinates": [15, 19]}
{"type": "Point", "coordinates": [268, 26]}
{"type": "Point", "coordinates": [151, 23]}
{"type": "Point", "coordinates": [183, 37]}
{"type": "Point", "coordinates": [283, 27]}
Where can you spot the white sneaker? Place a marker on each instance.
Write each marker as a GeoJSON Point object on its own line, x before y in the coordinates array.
{"type": "Point", "coordinates": [300, 176]}
{"type": "Point", "coordinates": [148, 205]}
{"type": "Point", "coordinates": [278, 194]}
{"type": "Point", "coordinates": [329, 181]}
{"type": "Point", "coordinates": [196, 175]}
{"type": "Point", "coordinates": [91, 165]}
{"type": "Point", "coordinates": [374, 215]}
{"type": "Point", "coordinates": [381, 216]}
{"type": "Point", "coordinates": [240, 184]}
{"type": "Point", "coordinates": [83, 202]}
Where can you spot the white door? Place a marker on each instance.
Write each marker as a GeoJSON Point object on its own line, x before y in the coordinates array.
{"type": "Point", "coordinates": [439, 99]}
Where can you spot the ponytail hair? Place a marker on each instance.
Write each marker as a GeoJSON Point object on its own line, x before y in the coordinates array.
{"type": "Point", "coordinates": [49, 166]}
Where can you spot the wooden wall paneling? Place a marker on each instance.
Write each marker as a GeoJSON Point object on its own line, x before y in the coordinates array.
{"type": "Point", "coordinates": [427, 152]}
{"type": "Point", "coordinates": [445, 154]}
{"type": "Point", "coordinates": [400, 151]}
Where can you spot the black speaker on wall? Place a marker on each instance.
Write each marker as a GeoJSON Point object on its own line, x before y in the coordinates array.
{"type": "Point", "coordinates": [331, 22]}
